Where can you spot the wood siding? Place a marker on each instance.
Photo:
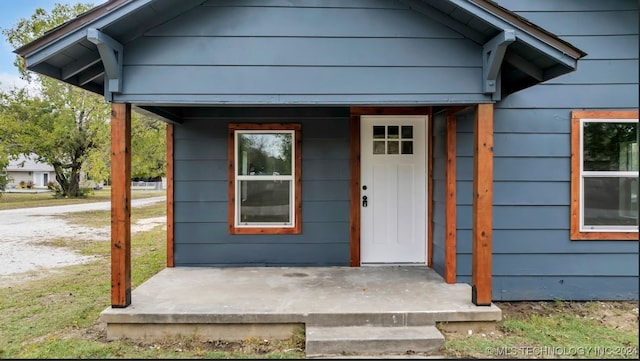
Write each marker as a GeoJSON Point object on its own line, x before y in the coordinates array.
{"type": "Point", "coordinates": [200, 184]}
{"type": "Point", "coordinates": [533, 255]}
{"type": "Point", "coordinates": [276, 52]}
{"type": "Point", "coordinates": [439, 192]}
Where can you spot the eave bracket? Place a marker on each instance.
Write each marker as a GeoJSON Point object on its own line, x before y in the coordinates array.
{"type": "Point", "coordinates": [111, 54]}
{"type": "Point", "coordinates": [492, 55]}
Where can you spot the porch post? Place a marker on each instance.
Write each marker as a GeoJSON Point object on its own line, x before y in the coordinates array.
{"type": "Point", "coordinates": [482, 210]}
{"type": "Point", "coordinates": [120, 205]}
{"type": "Point", "coordinates": [450, 201]}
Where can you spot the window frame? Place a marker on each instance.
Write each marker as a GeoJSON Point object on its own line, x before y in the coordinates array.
{"type": "Point", "coordinates": [296, 226]}
{"type": "Point", "coordinates": [577, 117]}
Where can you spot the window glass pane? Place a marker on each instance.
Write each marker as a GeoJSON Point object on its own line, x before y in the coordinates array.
{"type": "Point", "coordinates": [378, 147]}
{"type": "Point", "coordinates": [407, 147]}
{"type": "Point", "coordinates": [407, 131]}
{"type": "Point", "coordinates": [392, 147]}
{"type": "Point", "coordinates": [264, 154]}
{"type": "Point", "coordinates": [394, 132]}
{"type": "Point", "coordinates": [610, 146]}
{"type": "Point", "coordinates": [611, 201]}
{"type": "Point", "coordinates": [265, 201]}
{"type": "Point", "coordinates": [378, 132]}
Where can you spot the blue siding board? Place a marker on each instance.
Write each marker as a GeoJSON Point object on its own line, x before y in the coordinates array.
{"type": "Point", "coordinates": [303, 22]}
{"type": "Point", "coordinates": [325, 148]}
{"type": "Point", "coordinates": [551, 241]}
{"type": "Point", "coordinates": [200, 170]}
{"type": "Point", "coordinates": [198, 212]}
{"type": "Point", "coordinates": [567, 5]}
{"type": "Point", "coordinates": [325, 190]}
{"type": "Point", "coordinates": [596, 96]}
{"type": "Point", "coordinates": [601, 72]}
{"type": "Point", "coordinates": [265, 80]}
{"type": "Point", "coordinates": [273, 254]}
{"type": "Point", "coordinates": [200, 191]}
{"type": "Point", "coordinates": [520, 193]}
{"type": "Point", "coordinates": [329, 169]}
{"type": "Point", "coordinates": [439, 191]}
{"type": "Point", "coordinates": [531, 145]}
{"type": "Point", "coordinates": [531, 193]}
{"type": "Point", "coordinates": [606, 47]}
{"type": "Point", "coordinates": [368, 4]}
{"type": "Point", "coordinates": [325, 211]}
{"type": "Point", "coordinates": [586, 22]}
{"type": "Point", "coordinates": [260, 114]}
{"type": "Point", "coordinates": [438, 259]}
{"type": "Point", "coordinates": [213, 234]}
{"type": "Point", "coordinates": [520, 217]}
{"type": "Point", "coordinates": [565, 288]}
{"type": "Point", "coordinates": [625, 264]}
{"type": "Point", "coordinates": [268, 51]}
{"type": "Point", "coordinates": [531, 169]}
{"type": "Point", "coordinates": [515, 120]}
{"type": "Point", "coordinates": [200, 149]}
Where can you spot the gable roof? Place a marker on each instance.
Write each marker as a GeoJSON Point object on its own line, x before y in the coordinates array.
{"type": "Point", "coordinates": [533, 55]}
{"type": "Point", "coordinates": [28, 164]}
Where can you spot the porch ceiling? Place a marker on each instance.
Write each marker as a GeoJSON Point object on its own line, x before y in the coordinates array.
{"type": "Point", "coordinates": [72, 53]}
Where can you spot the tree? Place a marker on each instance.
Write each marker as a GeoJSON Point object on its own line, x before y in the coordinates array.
{"type": "Point", "coordinates": [61, 124]}
{"type": "Point", "coordinates": [148, 147]}
{"type": "Point", "coordinates": [66, 126]}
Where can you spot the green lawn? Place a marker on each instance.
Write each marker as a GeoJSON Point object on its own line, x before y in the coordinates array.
{"type": "Point", "coordinates": [29, 200]}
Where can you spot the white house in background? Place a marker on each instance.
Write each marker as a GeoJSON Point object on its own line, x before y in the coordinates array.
{"type": "Point", "coordinates": [26, 169]}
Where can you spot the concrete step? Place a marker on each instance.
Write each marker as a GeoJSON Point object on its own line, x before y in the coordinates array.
{"type": "Point", "coordinates": [372, 340]}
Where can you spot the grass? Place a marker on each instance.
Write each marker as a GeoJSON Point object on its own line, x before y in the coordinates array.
{"type": "Point", "coordinates": [555, 330]}
{"type": "Point", "coordinates": [28, 200]}
{"type": "Point", "coordinates": [55, 315]}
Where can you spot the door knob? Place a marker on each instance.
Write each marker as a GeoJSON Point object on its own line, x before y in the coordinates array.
{"type": "Point", "coordinates": [364, 201]}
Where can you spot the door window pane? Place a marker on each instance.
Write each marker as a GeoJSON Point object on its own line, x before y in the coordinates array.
{"type": "Point", "coordinates": [378, 147]}
{"type": "Point", "coordinates": [407, 131]}
{"type": "Point", "coordinates": [378, 132]}
{"type": "Point", "coordinates": [393, 131]}
{"type": "Point", "coordinates": [407, 147]}
{"type": "Point", "coordinates": [392, 147]}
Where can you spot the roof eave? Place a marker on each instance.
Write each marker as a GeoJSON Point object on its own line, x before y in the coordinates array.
{"type": "Point", "coordinates": [68, 27]}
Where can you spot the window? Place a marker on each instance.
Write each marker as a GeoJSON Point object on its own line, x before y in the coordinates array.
{"type": "Point", "coordinates": [604, 175]}
{"type": "Point", "coordinates": [264, 179]}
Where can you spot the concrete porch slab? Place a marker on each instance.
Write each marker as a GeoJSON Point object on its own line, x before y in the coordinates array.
{"type": "Point", "coordinates": [215, 298]}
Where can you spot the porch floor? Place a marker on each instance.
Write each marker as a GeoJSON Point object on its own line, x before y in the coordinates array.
{"type": "Point", "coordinates": [326, 296]}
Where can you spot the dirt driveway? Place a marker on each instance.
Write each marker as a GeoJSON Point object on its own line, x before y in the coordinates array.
{"type": "Point", "coordinates": [22, 232]}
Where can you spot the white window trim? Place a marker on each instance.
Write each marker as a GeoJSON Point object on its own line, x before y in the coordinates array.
{"type": "Point", "coordinates": [290, 178]}
{"type": "Point", "coordinates": [607, 174]}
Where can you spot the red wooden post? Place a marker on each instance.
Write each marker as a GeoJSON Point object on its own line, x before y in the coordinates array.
{"type": "Point", "coordinates": [120, 205]}
{"type": "Point", "coordinates": [450, 202]}
{"type": "Point", "coordinates": [482, 213]}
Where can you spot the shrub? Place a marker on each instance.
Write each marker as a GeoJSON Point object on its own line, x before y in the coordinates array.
{"type": "Point", "coordinates": [53, 186]}
{"type": "Point", "coordinates": [22, 184]}
{"type": "Point", "coordinates": [29, 185]}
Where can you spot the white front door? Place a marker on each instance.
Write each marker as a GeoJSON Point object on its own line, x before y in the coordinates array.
{"type": "Point", "coordinates": [393, 194]}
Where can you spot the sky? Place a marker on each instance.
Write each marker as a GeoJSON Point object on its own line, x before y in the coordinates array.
{"type": "Point", "coordinates": [11, 11]}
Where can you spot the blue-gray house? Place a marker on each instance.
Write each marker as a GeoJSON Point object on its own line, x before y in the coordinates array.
{"type": "Point", "coordinates": [493, 141]}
